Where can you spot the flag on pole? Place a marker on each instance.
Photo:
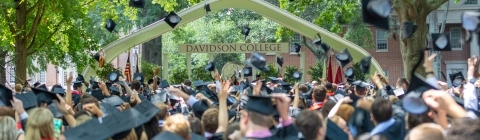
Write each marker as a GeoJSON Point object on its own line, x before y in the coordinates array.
{"type": "Point", "coordinates": [137, 70]}
{"type": "Point", "coordinates": [330, 71]}
{"type": "Point", "coordinates": [339, 76]}
{"type": "Point", "coordinates": [127, 73]}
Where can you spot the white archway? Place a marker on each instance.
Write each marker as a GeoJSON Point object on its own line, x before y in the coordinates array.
{"type": "Point", "coordinates": [261, 7]}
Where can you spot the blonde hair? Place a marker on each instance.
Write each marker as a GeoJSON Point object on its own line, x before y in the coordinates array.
{"type": "Point", "coordinates": [39, 124]}
{"type": "Point", "coordinates": [18, 88]}
{"type": "Point", "coordinates": [8, 129]}
{"type": "Point", "coordinates": [177, 124]}
{"type": "Point", "coordinates": [346, 111]}
{"type": "Point", "coordinates": [393, 98]}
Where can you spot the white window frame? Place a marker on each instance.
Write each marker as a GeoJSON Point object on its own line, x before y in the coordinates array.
{"type": "Point", "coordinates": [42, 77]}
{"type": "Point", "coordinates": [455, 40]}
{"type": "Point", "coordinates": [380, 38]}
{"type": "Point", "coordinates": [12, 75]}
{"type": "Point", "coordinates": [472, 2]}
{"type": "Point", "coordinates": [455, 65]}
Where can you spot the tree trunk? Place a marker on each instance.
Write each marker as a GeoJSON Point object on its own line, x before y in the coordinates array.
{"type": "Point", "coordinates": [3, 71]}
{"type": "Point", "coordinates": [152, 51]}
{"type": "Point", "coordinates": [411, 47]}
{"type": "Point", "coordinates": [21, 44]}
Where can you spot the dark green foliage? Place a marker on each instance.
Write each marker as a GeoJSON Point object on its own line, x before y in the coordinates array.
{"type": "Point", "coordinates": [107, 68]}
{"type": "Point", "coordinates": [316, 71]}
{"type": "Point", "coordinates": [288, 76]}
{"type": "Point", "coordinates": [177, 76]}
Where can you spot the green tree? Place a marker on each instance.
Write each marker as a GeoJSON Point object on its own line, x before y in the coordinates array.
{"type": "Point", "coordinates": [61, 33]}
{"type": "Point", "coordinates": [273, 72]}
{"type": "Point", "coordinates": [357, 74]}
{"type": "Point", "coordinates": [178, 76]}
{"type": "Point", "coordinates": [316, 71]}
{"type": "Point", "coordinates": [147, 69]}
{"type": "Point", "coordinates": [288, 77]}
{"type": "Point", "coordinates": [103, 72]}
{"type": "Point", "coordinates": [199, 73]}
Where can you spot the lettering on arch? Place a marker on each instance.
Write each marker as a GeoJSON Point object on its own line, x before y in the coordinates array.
{"type": "Point", "coordinates": [235, 48]}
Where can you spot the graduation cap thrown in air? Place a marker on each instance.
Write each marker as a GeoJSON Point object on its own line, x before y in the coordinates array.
{"type": "Point", "coordinates": [5, 96]}
{"type": "Point", "coordinates": [325, 47]}
{"type": "Point", "coordinates": [471, 20]}
{"type": "Point", "coordinates": [365, 64]}
{"type": "Point", "coordinates": [408, 28]}
{"type": "Point", "coordinates": [139, 77]}
{"type": "Point", "coordinates": [280, 61]}
{"type": "Point", "coordinates": [441, 42]}
{"type": "Point", "coordinates": [247, 71]}
{"type": "Point", "coordinates": [91, 129]}
{"type": "Point", "coordinates": [137, 3]}
{"type": "Point", "coordinates": [173, 19]}
{"type": "Point", "coordinates": [297, 75]}
{"type": "Point", "coordinates": [257, 61]}
{"type": "Point", "coordinates": [28, 99]}
{"type": "Point", "coordinates": [376, 12]}
{"type": "Point", "coordinates": [295, 48]}
{"type": "Point", "coordinates": [457, 78]}
{"type": "Point", "coordinates": [260, 104]}
{"type": "Point", "coordinates": [113, 76]}
{"type": "Point", "coordinates": [164, 84]}
{"type": "Point", "coordinates": [350, 73]}
{"type": "Point", "coordinates": [110, 25]}
{"type": "Point", "coordinates": [210, 66]}
{"type": "Point", "coordinates": [344, 57]}
{"type": "Point", "coordinates": [413, 101]}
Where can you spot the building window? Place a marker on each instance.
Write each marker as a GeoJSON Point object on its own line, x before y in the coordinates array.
{"type": "Point", "coordinates": [296, 38]}
{"type": "Point", "coordinates": [42, 77]}
{"type": "Point", "coordinates": [382, 40]}
{"type": "Point", "coordinates": [385, 74]}
{"type": "Point", "coordinates": [12, 75]}
{"type": "Point", "coordinates": [455, 37]}
{"type": "Point", "coordinates": [471, 2]}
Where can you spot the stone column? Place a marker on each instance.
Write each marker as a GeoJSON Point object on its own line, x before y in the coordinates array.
{"type": "Point", "coordinates": [189, 65]}
{"type": "Point", "coordinates": [165, 66]}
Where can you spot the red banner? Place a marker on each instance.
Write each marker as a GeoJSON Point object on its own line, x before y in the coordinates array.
{"type": "Point", "coordinates": [127, 73]}
{"type": "Point", "coordinates": [339, 75]}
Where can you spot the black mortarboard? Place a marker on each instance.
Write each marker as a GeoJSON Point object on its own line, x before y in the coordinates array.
{"type": "Point", "coordinates": [295, 48]}
{"type": "Point", "coordinates": [113, 100]}
{"type": "Point", "coordinates": [260, 104]}
{"type": "Point", "coordinates": [344, 57]}
{"type": "Point", "coordinates": [110, 25]}
{"type": "Point", "coordinates": [164, 84]}
{"type": "Point", "coordinates": [114, 90]}
{"type": "Point", "coordinates": [44, 96]}
{"type": "Point", "coordinates": [334, 132]}
{"type": "Point", "coordinates": [297, 75]}
{"type": "Point", "coordinates": [198, 83]}
{"type": "Point", "coordinates": [123, 121]}
{"type": "Point", "coordinates": [147, 109]}
{"type": "Point", "coordinates": [60, 91]}
{"type": "Point", "coordinates": [470, 20]}
{"type": "Point", "coordinates": [137, 3]}
{"type": "Point", "coordinates": [150, 81]}
{"type": "Point", "coordinates": [80, 78]}
{"type": "Point", "coordinates": [457, 78]}
{"type": "Point", "coordinates": [108, 109]}
{"type": "Point", "coordinates": [97, 94]}
{"type": "Point", "coordinates": [89, 130]}
{"type": "Point", "coordinates": [365, 64]}
{"type": "Point", "coordinates": [172, 19]}
{"type": "Point", "coordinates": [413, 101]}
{"type": "Point", "coordinates": [280, 61]}
{"type": "Point", "coordinates": [28, 99]}
{"type": "Point", "coordinates": [5, 96]}
{"type": "Point", "coordinates": [277, 90]}
{"type": "Point", "coordinates": [113, 76]}
{"type": "Point", "coordinates": [77, 83]}
{"type": "Point", "coordinates": [273, 79]}
{"type": "Point", "coordinates": [441, 42]}
{"type": "Point", "coordinates": [247, 71]}
{"type": "Point", "coordinates": [408, 28]}
{"type": "Point", "coordinates": [43, 87]}
{"type": "Point", "coordinates": [210, 66]}
{"type": "Point", "coordinates": [139, 77]}
{"type": "Point", "coordinates": [166, 135]}
{"type": "Point", "coordinates": [376, 12]}
{"type": "Point", "coordinates": [36, 84]}
{"type": "Point", "coordinates": [350, 73]}
{"type": "Point", "coordinates": [199, 107]}
{"type": "Point", "coordinates": [325, 47]}
{"type": "Point", "coordinates": [55, 111]}
{"type": "Point", "coordinates": [159, 97]}
{"type": "Point", "coordinates": [257, 61]}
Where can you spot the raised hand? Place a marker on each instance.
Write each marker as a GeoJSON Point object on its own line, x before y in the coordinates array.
{"type": "Point", "coordinates": [257, 89]}
{"type": "Point", "coordinates": [428, 61]}
{"type": "Point", "coordinates": [223, 94]}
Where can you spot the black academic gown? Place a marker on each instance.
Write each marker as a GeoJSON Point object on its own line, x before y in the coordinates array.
{"type": "Point", "coordinates": [361, 121]}
{"type": "Point", "coordinates": [286, 133]}
{"type": "Point", "coordinates": [397, 131]}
